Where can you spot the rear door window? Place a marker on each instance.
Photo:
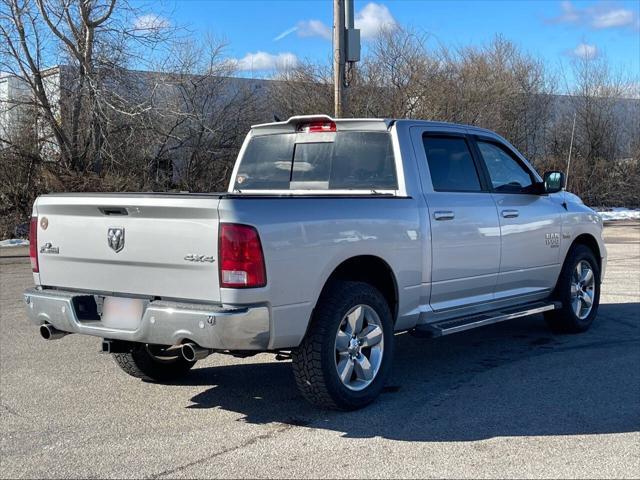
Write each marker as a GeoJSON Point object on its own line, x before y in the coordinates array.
{"type": "Point", "coordinates": [348, 161]}
{"type": "Point", "coordinates": [451, 164]}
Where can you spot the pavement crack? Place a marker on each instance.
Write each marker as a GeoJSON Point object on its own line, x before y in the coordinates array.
{"type": "Point", "coordinates": [251, 441]}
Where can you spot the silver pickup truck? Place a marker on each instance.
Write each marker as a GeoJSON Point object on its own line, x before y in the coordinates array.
{"type": "Point", "coordinates": [333, 235]}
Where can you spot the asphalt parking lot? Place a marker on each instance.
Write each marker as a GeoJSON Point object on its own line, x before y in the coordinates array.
{"type": "Point", "coordinates": [509, 400]}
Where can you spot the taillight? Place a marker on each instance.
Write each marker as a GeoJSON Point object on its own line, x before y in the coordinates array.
{"type": "Point", "coordinates": [314, 127]}
{"type": "Point", "coordinates": [33, 244]}
{"type": "Point", "coordinates": [240, 256]}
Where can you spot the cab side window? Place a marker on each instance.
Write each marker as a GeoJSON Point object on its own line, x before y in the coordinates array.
{"type": "Point", "coordinates": [506, 173]}
{"type": "Point", "coordinates": [451, 165]}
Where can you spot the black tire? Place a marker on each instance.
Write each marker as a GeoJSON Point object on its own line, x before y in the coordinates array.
{"type": "Point", "coordinates": [314, 361]}
{"type": "Point", "coordinates": [564, 319]}
{"type": "Point", "coordinates": [141, 363]}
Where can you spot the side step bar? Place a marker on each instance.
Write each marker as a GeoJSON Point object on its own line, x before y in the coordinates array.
{"type": "Point", "coordinates": [455, 325]}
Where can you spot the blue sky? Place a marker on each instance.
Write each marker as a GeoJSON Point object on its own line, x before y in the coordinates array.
{"type": "Point", "coordinates": [262, 34]}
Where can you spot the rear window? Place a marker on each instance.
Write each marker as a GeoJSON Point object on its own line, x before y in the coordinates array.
{"type": "Point", "coordinates": [337, 161]}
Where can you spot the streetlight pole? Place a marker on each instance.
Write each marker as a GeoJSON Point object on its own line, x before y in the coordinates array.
{"type": "Point", "coordinates": [349, 19]}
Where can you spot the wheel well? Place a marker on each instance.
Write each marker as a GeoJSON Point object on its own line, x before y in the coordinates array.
{"type": "Point", "coordinates": [372, 270]}
{"type": "Point", "coordinates": [590, 242]}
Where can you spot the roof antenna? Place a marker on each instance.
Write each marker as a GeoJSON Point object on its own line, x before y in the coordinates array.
{"type": "Point", "coordinates": [573, 129]}
{"type": "Point", "coordinates": [276, 118]}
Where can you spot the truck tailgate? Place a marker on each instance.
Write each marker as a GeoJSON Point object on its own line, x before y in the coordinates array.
{"type": "Point", "coordinates": [169, 247]}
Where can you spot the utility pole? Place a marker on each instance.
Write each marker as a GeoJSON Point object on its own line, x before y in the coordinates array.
{"type": "Point", "coordinates": [338, 56]}
{"type": "Point", "coordinates": [346, 51]}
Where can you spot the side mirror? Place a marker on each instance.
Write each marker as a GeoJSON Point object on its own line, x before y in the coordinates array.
{"type": "Point", "coordinates": [553, 181]}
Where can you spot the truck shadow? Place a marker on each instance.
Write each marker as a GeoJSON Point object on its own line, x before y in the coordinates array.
{"type": "Point", "coordinates": [511, 379]}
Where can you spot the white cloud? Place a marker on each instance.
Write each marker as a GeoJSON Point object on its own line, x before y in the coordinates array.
{"type": "Point", "coordinates": [613, 18]}
{"type": "Point", "coordinates": [373, 18]}
{"type": "Point", "coordinates": [150, 21]}
{"type": "Point", "coordinates": [584, 50]}
{"type": "Point", "coordinates": [260, 61]}
{"type": "Point", "coordinates": [314, 28]}
{"type": "Point", "coordinates": [569, 13]}
{"type": "Point", "coordinates": [600, 16]}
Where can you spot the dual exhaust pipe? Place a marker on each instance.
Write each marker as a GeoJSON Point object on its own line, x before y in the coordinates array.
{"type": "Point", "coordinates": [49, 332]}
{"type": "Point", "coordinates": [191, 352]}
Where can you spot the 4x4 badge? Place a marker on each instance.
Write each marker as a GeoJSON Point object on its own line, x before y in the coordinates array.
{"type": "Point", "coordinates": [192, 257]}
{"type": "Point", "coordinates": [115, 238]}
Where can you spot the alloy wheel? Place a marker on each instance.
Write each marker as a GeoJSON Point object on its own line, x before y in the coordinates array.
{"type": "Point", "coordinates": [359, 347]}
{"type": "Point", "coordinates": [582, 289]}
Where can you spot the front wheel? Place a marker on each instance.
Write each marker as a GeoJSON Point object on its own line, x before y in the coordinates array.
{"type": "Point", "coordinates": [345, 358]}
{"type": "Point", "coordinates": [578, 289]}
{"type": "Point", "coordinates": [153, 363]}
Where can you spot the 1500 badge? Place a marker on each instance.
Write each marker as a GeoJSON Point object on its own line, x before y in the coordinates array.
{"type": "Point", "coordinates": [552, 239]}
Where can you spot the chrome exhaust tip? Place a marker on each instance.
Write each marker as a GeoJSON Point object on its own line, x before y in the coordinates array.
{"type": "Point", "coordinates": [49, 332]}
{"type": "Point", "coordinates": [192, 352]}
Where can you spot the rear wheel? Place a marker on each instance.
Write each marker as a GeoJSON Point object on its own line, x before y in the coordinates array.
{"type": "Point", "coordinates": [578, 289]}
{"type": "Point", "coordinates": [346, 356]}
{"type": "Point", "coordinates": [153, 363]}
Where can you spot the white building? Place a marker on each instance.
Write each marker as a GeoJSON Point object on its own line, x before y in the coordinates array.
{"type": "Point", "coordinates": [146, 91]}
{"type": "Point", "coordinates": [14, 109]}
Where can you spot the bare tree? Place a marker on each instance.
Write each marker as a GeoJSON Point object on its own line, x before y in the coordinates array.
{"type": "Point", "coordinates": [89, 38]}
{"type": "Point", "coordinates": [605, 169]}
{"type": "Point", "coordinates": [394, 79]}
{"type": "Point", "coordinates": [302, 90]}
{"type": "Point", "coordinates": [199, 115]}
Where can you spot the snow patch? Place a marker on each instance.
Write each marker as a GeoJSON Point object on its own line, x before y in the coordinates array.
{"type": "Point", "coordinates": [619, 213]}
{"type": "Point", "coordinates": [14, 242]}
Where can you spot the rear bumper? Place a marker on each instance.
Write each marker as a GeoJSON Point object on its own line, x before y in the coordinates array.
{"type": "Point", "coordinates": [163, 323]}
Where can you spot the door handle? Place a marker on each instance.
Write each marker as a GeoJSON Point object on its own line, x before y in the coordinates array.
{"type": "Point", "coordinates": [443, 215]}
{"type": "Point", "coordinates": [510, 213]}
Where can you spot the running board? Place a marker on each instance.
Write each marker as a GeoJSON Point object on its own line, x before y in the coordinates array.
{"type": "Point", "coordinates": [455, 325]}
